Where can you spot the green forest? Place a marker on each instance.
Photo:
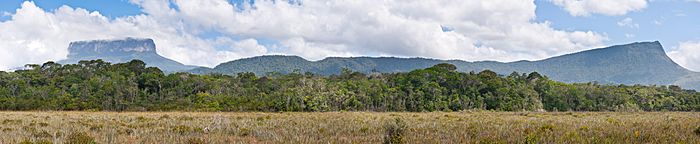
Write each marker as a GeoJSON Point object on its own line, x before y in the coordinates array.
{"type": "Point", "coordinates": [100, 86]}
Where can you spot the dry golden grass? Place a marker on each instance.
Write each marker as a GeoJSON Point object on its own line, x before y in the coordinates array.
{"type": "Point", "coordinates": [350, 127]}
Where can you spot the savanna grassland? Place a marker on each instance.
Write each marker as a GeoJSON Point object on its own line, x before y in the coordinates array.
{"type": "Point", "coordinates": [350, 127]}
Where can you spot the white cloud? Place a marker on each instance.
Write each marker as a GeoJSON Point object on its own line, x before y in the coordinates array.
{"type": "Point", "coordinates": [657, 22]}
{"type": "Point", "coordinates": [34, 35]}
{"type": "Point", "coordinates": [315, 51]}
{"type": "Point", "coordinates": [239, 49]}
{"type": "Point", "coordinates": [628, 22]}
{"type": "Point", "coordinates": [605, 7]}
{"type": "Point", "coordinates": [687, 55]}
{"type": "Point", "coordinates": [317, 29]}
{"type": "Point", "coordinates": [501, 30]}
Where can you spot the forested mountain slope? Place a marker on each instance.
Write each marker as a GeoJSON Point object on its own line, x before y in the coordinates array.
{"type": "Point", "coordinates": [643, 63]}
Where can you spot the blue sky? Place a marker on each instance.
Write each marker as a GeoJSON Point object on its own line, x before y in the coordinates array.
{"type": "Point", "coordinates": [677, 21]}
{"type": "Point", "coordinates": [110, 8]}
{"type": "Point", "coordinates": [209, 32]}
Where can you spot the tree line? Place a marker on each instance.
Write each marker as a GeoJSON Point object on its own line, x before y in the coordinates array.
{"type": "Point", "coordinates": [100, 86]}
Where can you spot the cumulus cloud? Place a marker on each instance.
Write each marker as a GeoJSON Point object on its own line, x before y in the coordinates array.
{"type": "Point", "coordinates": [658, 22]}
{"type": "Point", "coordinates": [238, 48]}
{"type": "Point", "coordinates": [604, 7]}
{"type": "Point", "coordinates": [316, 29]}
{"type": "Point", "coordinates": [502, 30]}
{"type": "Point", "coordinates": [687, 55]}
{"type": "Point", "coordinates": [315, 51]}
{"type": "Point", "coordinates": [628, 22]}
{"type": "Point", "coordinates": [34, 35]}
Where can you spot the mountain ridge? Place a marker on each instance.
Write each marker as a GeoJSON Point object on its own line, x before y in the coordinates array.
{"type": "Point", "coordinates": [643, 63]}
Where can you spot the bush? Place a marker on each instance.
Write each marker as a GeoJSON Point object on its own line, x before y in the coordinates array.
{"type": "Point", "coordinates": [183, 129]}
{"type": "Point", "coordinates": [244, 132]}
{"type": "Point", "coordinates": [195, 140]}
{"type": "Point", "coordinates": [532, 138]}
{"type": "Point", "coordinates": [43, 124]}
{"type": "Point", "coordinates": [43, 141]}
{"type": "Point", "coordinates": [26, 141]}
{"type": "Point", "coordinates": [80, 138]}
{"type": "Point", "coordinates": [394, 132]}
{"type": "Point", "coordinates": [41, 134]}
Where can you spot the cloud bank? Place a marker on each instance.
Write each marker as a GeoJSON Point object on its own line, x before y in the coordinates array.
{"type": "Point", "coordinates": [502, 30]}
{"type": "Point", "coordinates": [687, 54]}
{"type": "Point", "coordinates": [604, 7]}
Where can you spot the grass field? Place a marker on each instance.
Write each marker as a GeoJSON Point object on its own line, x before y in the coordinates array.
{"type": "Point", "coordinates": [349, 127]}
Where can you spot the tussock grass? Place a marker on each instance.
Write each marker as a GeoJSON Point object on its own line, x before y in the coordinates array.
{"type": "Point", "coordinates": [79, 138]}
{"type": "Point", "coordinates": [394, 132]}
{"type": "Point", "coordinates": [350, 127]}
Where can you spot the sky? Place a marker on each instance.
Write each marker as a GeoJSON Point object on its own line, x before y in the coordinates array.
{"type": "Point", "coordinates": [209, 32]}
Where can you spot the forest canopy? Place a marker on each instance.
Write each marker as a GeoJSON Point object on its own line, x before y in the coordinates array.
{"type": "Point", "coordinates": [101, 86]}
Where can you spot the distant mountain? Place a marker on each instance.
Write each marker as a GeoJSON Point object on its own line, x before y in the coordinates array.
{"type": "Point", "coordinates": [120, 51]}
{"type": "Point", "coordinates": [637, 63]}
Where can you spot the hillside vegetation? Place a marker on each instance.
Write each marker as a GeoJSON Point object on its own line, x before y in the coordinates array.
{"type": "Point", "coordinates": [644, 63]}
{"type": "Point", "coordinates": [97, 85]}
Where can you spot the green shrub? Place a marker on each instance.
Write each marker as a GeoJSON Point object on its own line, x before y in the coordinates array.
{"type": "Point", "coordinates": [142, 119]}
{"type": "Point", "coordinates": [244, 132]}
{"type": "Point", "coordinates": [185, 118]}
{"type": "Point", "coordinates": [263, 118]}
{"type": "Point", "coordinates": [547, 127]}
{"type": "Point", "coordinates": [182, 129]}
{"type": "Point", "coordinates": [394, 132]}
{"type": "Point", "coordinates": [364, 129]}
{"type": "Point", "coordinates": [11, 122]}
{"type": "Point", "coordinates": [43, 124]}
{"type": "Point", "coordinates": [43, 141]}
{"type": "Point", "coordinates": [532, 138]}
{"type": "Point", "coordinates": [41, 134]}
{"type": "Point", "coordinates": [80, 138]}
{"type": "Point", "coordinates": [126, 131]}
{"type": "Point", "coordinates": [26, 141]}
{"type": "Point", "coordinates": [95, 127]}
{"type": "Point", "coordinates": [195, 140]}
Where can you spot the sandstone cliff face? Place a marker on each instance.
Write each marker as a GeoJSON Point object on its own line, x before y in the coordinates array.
{"type": "Point", "coordinates": [122, 50]}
